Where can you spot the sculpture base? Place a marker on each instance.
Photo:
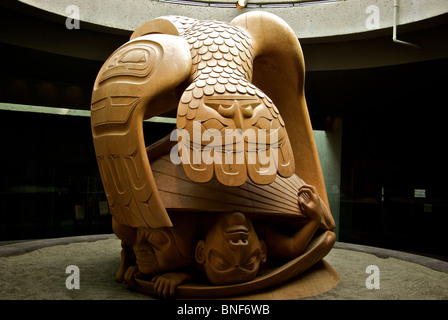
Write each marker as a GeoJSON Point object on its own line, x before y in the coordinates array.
{"type": "Point", "coordinates": [320, 278]}
{"type": "Point", "coordinates": [36, 270]}
{"type": "Point", "coordinates": [315, 275]}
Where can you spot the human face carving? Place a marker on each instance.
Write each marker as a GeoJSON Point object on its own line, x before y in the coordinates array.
{"type": "Point", "coordinates": [156, 251]}
{"type": "Point", "coordinates": [231, 252]}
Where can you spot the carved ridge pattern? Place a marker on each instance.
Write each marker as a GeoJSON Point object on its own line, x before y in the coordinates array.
{"type": "Point", "coordinates": [113, 110]}
{"type": "Point", "coordinates": [136, 61]}
{"type": "Point", "coordinates": [248, 197]}
{"type": "Point", "coordinates": [278, 198]}
{"type": "Point", "coordinates": [116, 119]}
{"type": "Point", "coordinates": [129, 196]}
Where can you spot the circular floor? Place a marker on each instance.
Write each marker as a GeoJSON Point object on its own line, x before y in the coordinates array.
{"type": "Point", "coordinates": [37, 270]}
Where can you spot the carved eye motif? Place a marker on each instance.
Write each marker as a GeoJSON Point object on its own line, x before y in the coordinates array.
{"type": "Point", "coordinates": [263, 123]}
{"type": "Point", "coordinates": [134, 56]}
{"type": "Point", "coordinates": [135, 61]}
{"type": "Point", "coordinates": [228, 105]}
{"type": "Point", "coordinates": [251, 264]}
{"type": "Point", "coordinates": [218, 261]}
{"type": "Point", "coordinates": [213, 124]}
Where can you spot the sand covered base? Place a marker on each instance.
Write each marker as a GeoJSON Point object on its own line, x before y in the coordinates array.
{"type": "Point", "coordinates": [41, 274]}
{"type": "Point", "coordinates": [398, 279]}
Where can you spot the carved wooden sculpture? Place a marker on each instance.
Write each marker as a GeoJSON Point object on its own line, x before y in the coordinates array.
{"type": "Point", "coordinates": [206, 211]}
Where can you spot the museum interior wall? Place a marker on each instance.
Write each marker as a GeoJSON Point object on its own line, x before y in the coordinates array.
{"type": "Point", "coordinates": [377, 110]}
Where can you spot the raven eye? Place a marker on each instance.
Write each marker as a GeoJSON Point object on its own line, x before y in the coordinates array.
{"type": "Point", "coordinates": [134, 56]}
{"type": "Point", "coordinates": [263, 123]}
{"type": "Point", "coordinates": [213, 123]}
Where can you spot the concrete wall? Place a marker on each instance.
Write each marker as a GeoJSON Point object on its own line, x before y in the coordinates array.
{"type": "Point", "coordinates": [319, 19]}
{"type": "Point", "coordinates": [335, 35]}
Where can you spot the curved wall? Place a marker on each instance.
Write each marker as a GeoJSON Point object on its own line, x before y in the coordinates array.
{"type": "Point", "coordinates": [315, 19]}
{"type": "Point", "coordinates": [335, 34]}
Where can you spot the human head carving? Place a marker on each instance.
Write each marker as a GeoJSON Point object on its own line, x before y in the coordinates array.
{"type": "Point", "coordinates": [231, 251]}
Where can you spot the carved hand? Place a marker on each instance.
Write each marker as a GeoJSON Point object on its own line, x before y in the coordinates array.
{"type": "Point", "coordinates": [309, 202]}
{"type": "Point", "coordinates": [165, 284]}
{"type": "Point", "coordinates": [129, 275]}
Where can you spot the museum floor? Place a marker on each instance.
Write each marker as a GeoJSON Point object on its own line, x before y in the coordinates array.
{"type": "Point", "coordinates": [37, 270]}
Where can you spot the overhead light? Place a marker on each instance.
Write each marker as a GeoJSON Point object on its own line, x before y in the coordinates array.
{"type": "Point", "coordinates": [241, 4]}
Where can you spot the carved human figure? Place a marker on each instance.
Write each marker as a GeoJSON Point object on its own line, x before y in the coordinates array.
{"type": "Point", "coordinates": [155, 251]}
{"type": "Point", "coordinates": [232, 250]}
